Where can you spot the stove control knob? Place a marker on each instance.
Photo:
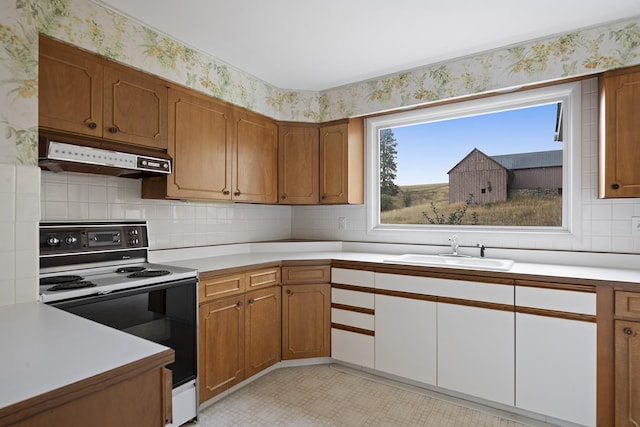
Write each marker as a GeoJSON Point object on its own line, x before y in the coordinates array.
{"type": "Point", "coordinates": [52, 241]}
{"type": "Point", "coordinates": [133, 232]}
{"type": "Point", "coordinates": [134, 241]}
{"type": "Point", "coordinates": [70, 240]}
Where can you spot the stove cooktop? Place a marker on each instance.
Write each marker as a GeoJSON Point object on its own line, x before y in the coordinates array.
{"type": "Point", "coordinates": [103, 280]}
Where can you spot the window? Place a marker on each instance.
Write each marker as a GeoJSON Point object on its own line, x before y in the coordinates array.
{"type": "Point", "coordinates": [505, 163]}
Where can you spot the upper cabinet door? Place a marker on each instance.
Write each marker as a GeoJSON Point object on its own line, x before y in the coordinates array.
{"type": "Point", "coordinates": [70, 89]}
{"type": "Point", "coordinates": [342, 162]}
{"type": "Point", "coordinates": [299, 162]}
{"type": "Point", "coordinates": [620, 134]}
{"type": "Point", "coordinates": [255, 164]}
{"type": "Point", "coordinates": [200, 145]}
{"type": "Point", "coordinates": [135, 108]}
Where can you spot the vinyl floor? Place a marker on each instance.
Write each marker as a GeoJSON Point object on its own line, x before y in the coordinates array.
{"type": "Point", "coordinates": [321, 395]}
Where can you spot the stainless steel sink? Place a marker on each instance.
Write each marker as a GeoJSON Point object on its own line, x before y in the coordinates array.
{"type": "Point", "coordinates": [453, 261]}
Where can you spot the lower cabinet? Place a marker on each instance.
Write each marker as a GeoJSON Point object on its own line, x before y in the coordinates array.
{"type": "Point", "coordinates": [627, 359]}
{"type": "Point", "coordinates": [306, 321]}
{"type": "Point", "coordinates": [406, 338]}
{"type": "Point", "coordinates": [262, 329]}
{"type": "Point", "coordinates": [222, 341]}
{"type": "Point", "coordinates": [556, 352]}
{"type": "Point", "coordinates": [476, 351]}
{"type": "Point", "coordinates": [239, 334]}
{"type": "Point", "coordinates": [353, 317]}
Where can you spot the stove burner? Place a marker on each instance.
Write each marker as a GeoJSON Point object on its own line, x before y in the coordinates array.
{"type": "Point", "coordinates": [71, 285]}
{"type": "Point", "coordinates": [59, 279]}
{"type": "Point", "coordinates": [149, 273]}
{"type": "Point", "coordinates": [130, 269]}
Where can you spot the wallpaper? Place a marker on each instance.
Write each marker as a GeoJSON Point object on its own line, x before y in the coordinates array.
{"type": "Point", "coordinates": [92, 27]}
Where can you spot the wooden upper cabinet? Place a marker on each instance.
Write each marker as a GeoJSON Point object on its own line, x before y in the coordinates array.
{"type": "Point", "coordinates": [135, 107]}
{"type": "Point", "coordinates": [255, 159]}
{"type": "Point", "coordinates": [89, 95]}
{"type": "Point", "coordinates": [70, 89]}
{"type": "Point", "coordinates": [619, 175]}
{"type": "Point", "coordinates": [298, 167]}
{"type": "Point", "coordinates": [200, 144]}
{"type": "Point", "coordinates": [342, 162]}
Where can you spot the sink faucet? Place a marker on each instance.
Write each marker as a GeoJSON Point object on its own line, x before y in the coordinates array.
{"type": "Point", "coordinates": [454, 244]}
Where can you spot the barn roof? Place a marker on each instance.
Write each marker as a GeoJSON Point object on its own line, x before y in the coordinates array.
{"type": "Point", "coordinates": [470, 153]}
{"type": "Point", "coordinates": [539, 159]}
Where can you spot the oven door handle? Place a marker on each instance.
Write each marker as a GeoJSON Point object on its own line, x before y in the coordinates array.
{"type": "Point", "coordinates": [105, 296]}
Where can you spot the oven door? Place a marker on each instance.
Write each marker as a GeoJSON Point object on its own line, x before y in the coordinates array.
{"type": "Point", "coordinates": [164, 313]}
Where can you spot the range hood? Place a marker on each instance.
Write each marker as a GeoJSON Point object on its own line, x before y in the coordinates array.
{"type": "Point", "coordinates": [61, 152]}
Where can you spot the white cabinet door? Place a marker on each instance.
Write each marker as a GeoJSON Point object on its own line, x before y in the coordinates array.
{"type": "Point", "coordinates": [476, 351]}
{"type": "Point", "coordinates": [351, 347]}
{"type": "Point", "coordinates": [405, 343]}
{"type": "Point", "coordinates": [556, 367]}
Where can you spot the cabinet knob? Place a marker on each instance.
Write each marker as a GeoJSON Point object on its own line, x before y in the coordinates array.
{"type": "Point", "coordinates": [628, 331]}
{"type": "Point", "coordinates": [283, 197]}
{"type": "Point", "coordinates": [225, 192]}
{"type": "Point", "coordinates": [615, 185]}
{"type": "Point", "coordinates": [239, 304]}
{"type": "Point", "coordinates": [113, 129]}
{"type": "Point", "coordinates": [289, 291]}
{"type": "Point", "coordinates": [324, 196]}
{"type": "Point", "coordinates": [92, 125]}
{"type": "Point", "coordinates": [251, 301]}
{"type": "Point", "coordinates": [236, 193]}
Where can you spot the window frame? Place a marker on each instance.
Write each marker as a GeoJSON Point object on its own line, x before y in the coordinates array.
{"type": "Point", "coordinates": [570, 96]}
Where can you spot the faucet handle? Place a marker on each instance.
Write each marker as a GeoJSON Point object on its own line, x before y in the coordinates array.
{"type": "Point", "coordinates": [482, 249]}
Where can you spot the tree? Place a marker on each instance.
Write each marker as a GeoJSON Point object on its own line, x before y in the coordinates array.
{"type": "Point", "coordinates": [388, 167]}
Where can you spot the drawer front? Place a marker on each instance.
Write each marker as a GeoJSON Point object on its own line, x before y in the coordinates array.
{"type": "Point", "coordinates": [351, 318]}
{"type": "Point", "coordinates": [345, 276]}
{"type": "Point", "coordinates": [223, 286]}
{"type": "Point", "coordinates": [306, 274]}
{"type": "Point", "coordinates": [263, 278]}
{"type": "Point", "coordinates": [460, 289]}
{"type": "Point", "coordinates": [628, 304]}
{"type": "Point", "coordinates": [353, 298]}
{"type": "Point", "coordinates": [558, 300]}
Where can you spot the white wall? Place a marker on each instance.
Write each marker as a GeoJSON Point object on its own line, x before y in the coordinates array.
{"type": "Point", "coordinates": [606, 224]}
{"type": "Point", "coordinates": [172, 224]}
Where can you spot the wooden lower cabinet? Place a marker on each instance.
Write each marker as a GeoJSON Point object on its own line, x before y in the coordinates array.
{"type": "Point", "coordinates": [132, 395]}
{"type": "Point", "coordinates": [306, 311]}
{"type": "Point", "coordinates": [239, 334]}
{"type": "Point", "coordinates": [627, 359]}
{"type": "Point", "coordinates": [262, 329]}
{"type": "Point", "coordinates": [222, 329]}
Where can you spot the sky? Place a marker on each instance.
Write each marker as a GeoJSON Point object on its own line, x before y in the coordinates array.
{"type": "Point", "coordinates": [427, 152]}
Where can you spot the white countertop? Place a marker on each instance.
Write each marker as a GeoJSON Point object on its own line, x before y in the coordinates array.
{"type": "Point", "coordinates": [44, 348]}
{"type": "Point", "coordinates": [211, 259]}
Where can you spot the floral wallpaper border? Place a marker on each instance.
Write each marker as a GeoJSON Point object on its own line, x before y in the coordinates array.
{"type": "Point", "coordinates": [101, 30]}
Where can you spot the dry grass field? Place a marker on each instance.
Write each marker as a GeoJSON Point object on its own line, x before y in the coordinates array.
{"type": "Point", "coordinates": [413, 200]}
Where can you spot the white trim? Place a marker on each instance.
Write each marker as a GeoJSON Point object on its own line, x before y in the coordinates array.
{"type": "Point", "coordinates": [568, 93]}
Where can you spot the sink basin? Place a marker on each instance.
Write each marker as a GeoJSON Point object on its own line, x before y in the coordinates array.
{"type": "Point", "coordinates": [453, 261]}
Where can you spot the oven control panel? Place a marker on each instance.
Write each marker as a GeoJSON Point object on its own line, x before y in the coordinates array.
{"type": "Point", "coordinates": [60, 239]}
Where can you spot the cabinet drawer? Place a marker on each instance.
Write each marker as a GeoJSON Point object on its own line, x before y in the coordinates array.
{"type": "Point", "coordinates": [558, 300]}
{"type": "Point", "coordinates": [222, 286]}
{"type": "Point", "coordinates": [307, 274]}
{"type": "Point", "coordinates": [351, 318]}
{"type": "Point", "coordinates": [263, 278]}
{"type": "Point", "coordinates": [628, 304]}
{"type": "Point", "coordinates": [345, 276]}
{"type": "Point", "coordinates": [353, 298]}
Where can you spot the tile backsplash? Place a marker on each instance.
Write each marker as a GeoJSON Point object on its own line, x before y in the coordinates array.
{"type": "Point", "coordinates": [19, 216]}
{"type": "Point", "coordinates": [172, 224]}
